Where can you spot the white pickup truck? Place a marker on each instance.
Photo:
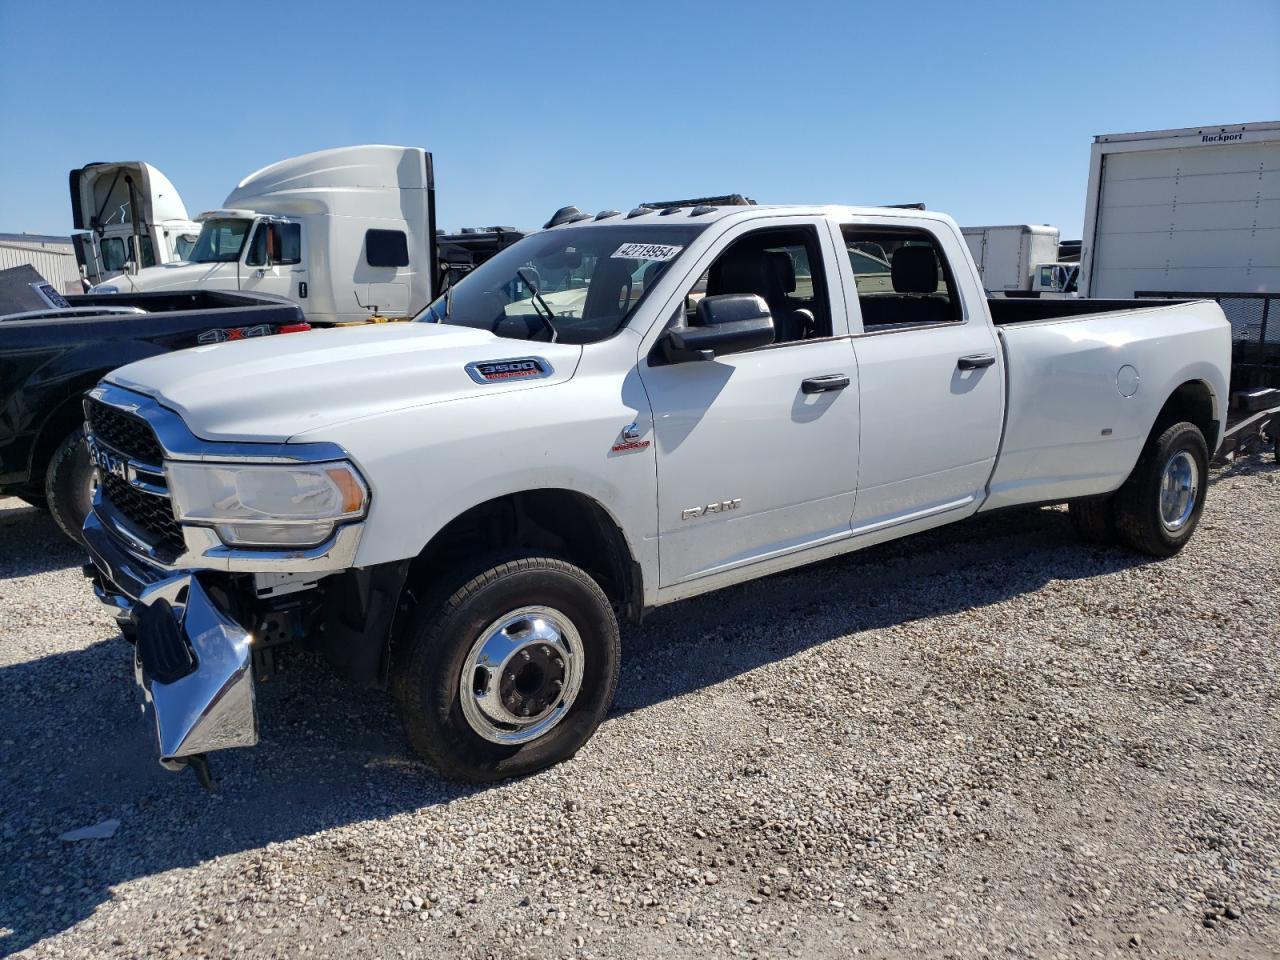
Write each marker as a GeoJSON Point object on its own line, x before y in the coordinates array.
{"type": "Point", "coordinates": [613, 414]}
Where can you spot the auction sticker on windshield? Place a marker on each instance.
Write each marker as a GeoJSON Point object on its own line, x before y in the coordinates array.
{"type": "Point", "coordinates": [645, 251]}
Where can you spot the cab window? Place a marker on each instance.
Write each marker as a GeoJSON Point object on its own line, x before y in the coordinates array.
{"type": "Point", "coordinates": [275, 243]}
{"type": "Point", "coordinates": [781, 265]}
{"type": "Point", "coordinates": [386, 248]}
{"type": "Point", "coordinates": [148, 252]}
{"type": "Point", "coordinates": [113, 255]}
{"type": "Point", "coordinates": [902, 277]}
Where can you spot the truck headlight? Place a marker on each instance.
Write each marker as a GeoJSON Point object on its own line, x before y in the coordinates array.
{"type": "Point", "coordinates": [104, 288]}
{"type": "Point", "coordinates": [268, 505]}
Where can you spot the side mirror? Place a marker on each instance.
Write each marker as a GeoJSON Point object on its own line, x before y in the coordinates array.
{"type": "Point", "coordinates": [728, 323]}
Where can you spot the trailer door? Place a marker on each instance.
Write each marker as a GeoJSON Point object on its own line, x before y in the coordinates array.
{"type": "Point", "coordinates": [1003, 259]}
{"type": "Point", "coordinates": [1200, 218]}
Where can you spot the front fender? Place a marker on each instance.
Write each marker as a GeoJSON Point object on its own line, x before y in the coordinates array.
{"type": "Point", "coordinates": [428, 465]}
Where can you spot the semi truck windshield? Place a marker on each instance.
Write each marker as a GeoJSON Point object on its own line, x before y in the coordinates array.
{"type": "Point", "coordinates": [220, 241]}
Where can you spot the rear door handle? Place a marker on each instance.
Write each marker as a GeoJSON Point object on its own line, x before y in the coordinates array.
{"type": "Point", "coordinates": [976, 362]}
{"type": "Point", "coordinates": [836, 381]}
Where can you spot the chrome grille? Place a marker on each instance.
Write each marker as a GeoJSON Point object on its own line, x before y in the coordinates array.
{"type": "Point", "coordinates": [148, 513]}
{"type": "Point", "coordinates": [124, 433]}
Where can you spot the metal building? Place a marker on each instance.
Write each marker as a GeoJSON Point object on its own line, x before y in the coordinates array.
{"type": "Point", "coordinates": [53, 257]}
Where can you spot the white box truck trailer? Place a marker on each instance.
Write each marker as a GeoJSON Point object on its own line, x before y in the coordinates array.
{"type": "Point", "coordinates": [1009, 258]}
{"type": "Point", "coordinates": [1195, 210]}
{"type": "Point", "coordinates": [127, 214]}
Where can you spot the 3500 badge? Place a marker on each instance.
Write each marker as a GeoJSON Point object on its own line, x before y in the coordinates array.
{"type": "Point", "coordinates": [499, 371]}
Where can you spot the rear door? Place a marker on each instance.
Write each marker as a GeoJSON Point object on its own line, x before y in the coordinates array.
{"type": "Point", "coordinates": [929, 370]}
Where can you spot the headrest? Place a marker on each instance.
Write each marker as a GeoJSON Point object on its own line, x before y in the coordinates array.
{"type": "Point", "coordinates": [914, 270]}
{"type": "Point", "coordinates": [782, 269]}
{"type": "Point", "coordinates": [742, 272]}
{"type": "Point", "coordinates": [605, 292]}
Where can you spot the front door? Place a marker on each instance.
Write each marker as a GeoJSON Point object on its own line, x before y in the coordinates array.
{"type": "Point", "coordinates": [931, 375]}
{"type": "Point", "coordinates": [757, 451]}
{"type": "Point", "coordinates": [272, 259]}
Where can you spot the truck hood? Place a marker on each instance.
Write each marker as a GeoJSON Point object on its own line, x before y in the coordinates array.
{"type": "Point", "coordinates": [166, 276]}
{"type": "Point", "coordinates": [270, 389]}
{"type": "Point", "coordinates": [100, 195]}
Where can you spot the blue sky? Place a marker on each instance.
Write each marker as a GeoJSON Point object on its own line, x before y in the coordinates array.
{"type": "Point", "coordinates": [985, 111]}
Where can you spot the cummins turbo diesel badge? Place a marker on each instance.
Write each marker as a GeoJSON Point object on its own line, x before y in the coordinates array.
{"type": "Point", "coordinates": [498, 371]}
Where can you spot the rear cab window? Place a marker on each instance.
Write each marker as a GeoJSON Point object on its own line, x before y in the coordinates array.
{"type": "Point", "coordinates": [902, 277]}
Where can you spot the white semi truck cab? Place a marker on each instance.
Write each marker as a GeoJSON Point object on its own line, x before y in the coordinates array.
{"type": "Point", "coordinates": [127, 217]}
{"type": "Point", "coordinates": [613, 414]}
{"type": "Point", "coordinates": [348, 233]}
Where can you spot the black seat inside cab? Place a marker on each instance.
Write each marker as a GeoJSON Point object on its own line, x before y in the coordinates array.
{"type": "Point", "coordinates": [609, 293]}
{"type": "Point", "coordinates": [915, 300]}
{"type": "Point", "coordinates": [768, 274]}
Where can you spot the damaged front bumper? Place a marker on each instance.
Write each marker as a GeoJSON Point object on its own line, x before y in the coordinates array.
{"type": "Point", "coordinates": [192, 659]}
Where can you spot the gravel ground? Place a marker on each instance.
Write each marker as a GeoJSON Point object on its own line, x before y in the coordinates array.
{"type": "Point", "coordinates": [989, 739]}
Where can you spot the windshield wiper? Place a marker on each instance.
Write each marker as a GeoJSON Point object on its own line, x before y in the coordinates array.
{"type": "Point", "coordinates": [525, 274]}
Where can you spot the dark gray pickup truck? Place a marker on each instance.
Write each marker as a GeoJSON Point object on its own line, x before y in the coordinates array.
{"type": "Point", "coordinates": [53, 348]}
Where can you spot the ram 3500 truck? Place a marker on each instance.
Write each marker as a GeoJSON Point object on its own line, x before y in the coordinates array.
{"type": "Point", "coordinates": [611, 415]}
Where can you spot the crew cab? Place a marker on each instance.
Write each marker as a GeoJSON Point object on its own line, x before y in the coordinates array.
{"type": "Point", "coordinates": [613, 414]}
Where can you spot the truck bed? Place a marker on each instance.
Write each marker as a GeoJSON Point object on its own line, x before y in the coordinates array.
{"type": "Point", "coordinates": [1010, 310]}
{"type": "Point", "coordinates": [1085, 385]}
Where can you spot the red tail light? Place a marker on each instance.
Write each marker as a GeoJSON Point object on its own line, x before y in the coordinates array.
{"type": "Point", "coordinates": [294, 328]}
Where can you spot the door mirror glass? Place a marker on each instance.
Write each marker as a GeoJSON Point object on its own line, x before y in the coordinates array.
{"type": "Point", "coordinates": [729, 323]}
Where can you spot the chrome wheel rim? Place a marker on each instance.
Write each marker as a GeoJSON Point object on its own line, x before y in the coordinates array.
{"type": "Point", "coordinates": [522, 675]}
{"type": "Point", "coordinates": [1179, 490]}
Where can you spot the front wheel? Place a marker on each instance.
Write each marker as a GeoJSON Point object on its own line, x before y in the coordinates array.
{"type": "Point", "coordinates": [1159, 506]}
{"type": "Point", "coordinates": [69, 484]}
{"type": "Point", "coordinates": [512, 673]}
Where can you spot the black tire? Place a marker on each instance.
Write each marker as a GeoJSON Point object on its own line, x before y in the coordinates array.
{"type": "Point", "coordinates": [440, 636]}
{"type": "Point", "coordinates": [68, 484]}
{"type": "Point", "coordinates": [1093, 519]}
{"type": "Point", "coordinates": [1137, 504]}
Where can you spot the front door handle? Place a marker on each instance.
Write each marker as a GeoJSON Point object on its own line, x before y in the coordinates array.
{"type": "Point", "coordinates": [976, 362]}
{"type": "Point", "coordinates": [836, 381]}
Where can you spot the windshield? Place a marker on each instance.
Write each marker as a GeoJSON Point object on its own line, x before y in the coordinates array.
{"type": "Point", "coordinates": [571, 285]}
{"type": "Point", "coordinates": [220, 241]}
